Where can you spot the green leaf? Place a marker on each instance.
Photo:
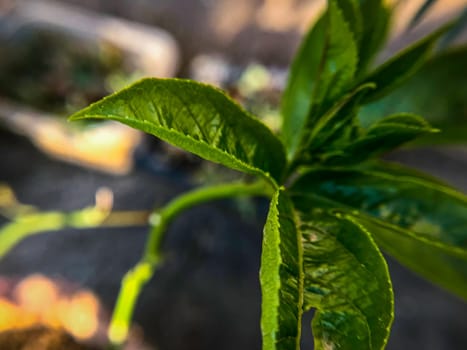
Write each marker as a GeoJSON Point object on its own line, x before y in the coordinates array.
{"type": "Point", "coordinates": [368, 21]}
{"type": "Point", "coordinates": [197, 118]}
{"type": "Point", "coordinates": [429, 218]}
{"type": "Point", "coordinates": [385, 135]}
{"type": "Point", "coordinates": [334, 124]}
{"type": "Point", "coordinates": [353, 17]}
{"type": "Point", "coordinates": [374, 33]}
{"type": "Point", "coordinates": [321, 72]}
{"type": "Point", "coordinates": [281, 277]}
{"type": "Point", "coordinates": [346, 280]}
{"type": "Point", "coordinates": [436, 261]}
{"type": "Point", "coordinates": [437, 92]}
{"type": "Point", "coordinates": [398, 69]}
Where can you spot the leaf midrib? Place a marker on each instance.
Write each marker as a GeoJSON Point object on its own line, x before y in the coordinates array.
{"type": "Point", "coordinates": [176, 133]}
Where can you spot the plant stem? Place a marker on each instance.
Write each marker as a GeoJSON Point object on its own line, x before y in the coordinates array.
{"type": "Point", "coordinates": [135, 279]}
{"type": "Point", "coordinates": [30, 224]}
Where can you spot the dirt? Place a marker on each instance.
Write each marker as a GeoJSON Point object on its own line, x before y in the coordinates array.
{"type": "Point", "coordinates": [39, 338]}
{"type": "Point", "coordinates": [206, 295]}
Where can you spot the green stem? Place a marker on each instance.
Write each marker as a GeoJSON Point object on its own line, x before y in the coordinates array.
{"type": "Point", "coordinates": [30, 224]}
{"type": "Point", "coordinates": [135, 279]}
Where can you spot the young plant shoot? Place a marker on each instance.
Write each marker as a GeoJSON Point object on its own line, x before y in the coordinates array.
{"type": "Point", "coordinates": [333, 204]}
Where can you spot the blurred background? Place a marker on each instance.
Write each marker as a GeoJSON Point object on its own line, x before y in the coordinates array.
{"type": "Point", "coordinates": [58, 284]}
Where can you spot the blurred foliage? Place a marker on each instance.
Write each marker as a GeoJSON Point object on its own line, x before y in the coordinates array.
{"type": "Point", "coordinates": [438, 91]}
{"type": "Point", "coordinates": [56, 72]}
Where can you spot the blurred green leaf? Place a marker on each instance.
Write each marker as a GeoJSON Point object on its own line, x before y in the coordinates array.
{"type": "Point", "coordinates": [429, 218]}
{"type": "Point", "coordinates": [438, 92]}
{"type": "Point", "coordinates": [346, 280]}
{"type": "Point", "coordinates": [376, 20]}
{"type": "Point", "coordinates": [368, 21]}
{"type": "Point", "coordinates": [281, 277]}
{"type": "Point", "coordinates": [321, 72]}
{"type": "Point", "coordinates": [334, 123]}
{"type": "Point", "coordinates": [351, 10]}
{"type": "Point", "coordinates": [197, 118]}
{"type": "Point", "coordinates": [438, 262]}
{"type": "Point", "coordinates": [383, 136]}
{"type": "Point", "coordinates": [401, 67]}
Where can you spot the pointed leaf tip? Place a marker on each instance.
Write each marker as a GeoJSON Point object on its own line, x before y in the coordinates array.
{"type": "Point", "coordinates": [198, 118]}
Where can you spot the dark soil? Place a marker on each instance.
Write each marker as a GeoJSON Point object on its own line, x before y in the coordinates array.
{"type": "Point", "coordinates": [206, 295]}
{"type": "Point", "coordinates": [39, 338]}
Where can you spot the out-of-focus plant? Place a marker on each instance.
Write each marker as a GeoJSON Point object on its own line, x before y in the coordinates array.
{"type": "Point", "coordinates": [438, 91]}
{"type": "Point", "coordinates": [26, 220]}
{"type": "Point", "coordinates": [44, 69]}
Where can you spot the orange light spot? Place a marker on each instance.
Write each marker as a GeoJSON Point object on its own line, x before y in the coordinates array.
{"type": "Point", "coordinates": [36, 294]}
{"type": "Point", "coordinates": [11, 316]}
{"type": "Point", "coordinates": [80, 315]}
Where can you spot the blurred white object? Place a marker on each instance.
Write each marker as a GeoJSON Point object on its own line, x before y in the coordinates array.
{"type": "Point", "coordinates": [107, 146]}
{"type": "Point", "coordinates": [151, 50]}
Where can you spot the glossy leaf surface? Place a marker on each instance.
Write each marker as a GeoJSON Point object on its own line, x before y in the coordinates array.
{"type": "Point", "coordinates": [334, 124]}
{"type": "Point", "coordinates": [346, 280]}
{"type": "Point", "coordinates": [437, 92]}
{"type": "Point", "coordinates": [429, 217]}
{"type": "Point", "coordinates": [385, 135]}
{"type": "Point", "coordinates": [197, 118]}
{"type": "Point", "coordinates": [438, 262]}
{"type": "Point", "coordinates": [321, 72]}
{"type": "Point", "coordinates": [281, 277]}
{"type": "Point", "coordinates": [402, 66]}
